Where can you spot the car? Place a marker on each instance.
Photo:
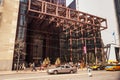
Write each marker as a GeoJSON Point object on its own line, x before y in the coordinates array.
{"type": "Point", "coordinates": [97, 67]}
{"type": "Point", "coordinates": [62, 69]}
{"type": "Point", "coordinates": [112, 67]}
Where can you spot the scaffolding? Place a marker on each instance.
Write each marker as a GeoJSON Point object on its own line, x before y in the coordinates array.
{"type": "Point", "coordinates": [74, 30]}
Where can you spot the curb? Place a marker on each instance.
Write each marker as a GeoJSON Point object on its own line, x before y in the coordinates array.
{"type": "Point", "coordinates": [27, 72]}
{"type": "Point", "coordinates": [20, 72]}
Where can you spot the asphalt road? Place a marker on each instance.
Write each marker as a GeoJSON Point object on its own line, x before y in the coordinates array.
{"type": "Point", "coordinates": [80, 75]}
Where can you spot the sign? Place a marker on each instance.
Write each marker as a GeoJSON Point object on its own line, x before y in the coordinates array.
{"type": "Point", "coordinates": [85, 50]}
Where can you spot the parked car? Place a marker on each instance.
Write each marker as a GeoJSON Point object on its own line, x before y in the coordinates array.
{"type": "Point", "coordinates": [62, 69]}
{"type": "Point", "coordinates": [112, 67]}
{"type": "Point", "coordinates": [97, 67]}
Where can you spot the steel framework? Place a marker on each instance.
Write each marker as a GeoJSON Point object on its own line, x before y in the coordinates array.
{"type": "Point", "coordinates": [76, 29]}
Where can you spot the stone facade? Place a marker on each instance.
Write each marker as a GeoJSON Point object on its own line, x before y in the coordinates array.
{"type": "Point", "coordinates": [8, 25]}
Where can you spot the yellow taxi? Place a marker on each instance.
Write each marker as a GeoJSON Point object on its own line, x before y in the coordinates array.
{"type": "Point", "coordinates": [97, 67]}
{"type": "Point", "coordinates": [112, 67]}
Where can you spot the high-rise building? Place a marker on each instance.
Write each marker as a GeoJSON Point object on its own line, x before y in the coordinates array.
{"type": "Point", "coordinates": [117, 5]}
{"type": "Point", "coordinates": [32, 30]}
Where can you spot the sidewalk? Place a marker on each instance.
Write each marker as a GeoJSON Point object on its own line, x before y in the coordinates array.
{"type": "Point", "coordinates": [20, 71]}
{"type": "Point", "coordinates": [28, 71]}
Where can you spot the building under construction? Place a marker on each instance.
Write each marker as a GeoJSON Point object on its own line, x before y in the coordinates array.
{"type": "Point", "coordinates": [50, 29]}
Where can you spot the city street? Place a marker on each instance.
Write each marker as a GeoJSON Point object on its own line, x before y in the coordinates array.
{"type": "Point", "coordinates": [80, 75]}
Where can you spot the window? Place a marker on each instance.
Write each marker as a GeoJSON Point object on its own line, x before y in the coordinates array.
{"type": "Point", "coordinates": [21, 32]}
{"type": "Point", "coordinates": [23, 9]}
{"type": "Point", "coordinates": [67, 66]}
{"type": "Point", "coordinates": [22, 20]}
{"type": "Point", "coordinates": [62, 2]}
{"type": "Point", "coordinates": [25, 1]}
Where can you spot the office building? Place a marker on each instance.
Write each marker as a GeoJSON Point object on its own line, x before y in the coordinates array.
{"type": "Point", "coordinates": [32, 30]}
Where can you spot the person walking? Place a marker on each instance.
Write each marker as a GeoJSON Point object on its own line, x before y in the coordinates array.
{"type": "Point", "coordinates": [78, 65]}
{"type": "Point", "coordinates": [15, 66]}
{"type": "Point", "coordinates": [23, 66]}
{"type": "Point", "coordinates": [81, 65]}
{"type": "Point", "coordinates": [33, 67]}
{"type": "Point", "coordinates": [89, 71]}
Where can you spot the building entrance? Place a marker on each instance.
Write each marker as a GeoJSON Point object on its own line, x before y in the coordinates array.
{"type": "Point", "coordinates": [56, 31]}
{"type": "Point", "coordinates": [42, 42]}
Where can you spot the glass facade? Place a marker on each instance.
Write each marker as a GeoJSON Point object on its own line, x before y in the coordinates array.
{"type": "Point", "coordinates": [22, 20]}
{"type": "Point", "coordinates": [43, 39]}
{"type": "Point", "coordinates": [79, 38]}
{"type": "Point", "coordinates": [117, 5]}
{"type": "Point", "coordinates": [21, 32]}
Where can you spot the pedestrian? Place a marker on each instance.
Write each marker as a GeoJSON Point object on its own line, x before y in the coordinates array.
{"type": "Point", "coordinates": [78, 65]}
{"type": "Point", "coordinates": [15, 66]}
{"type": "Point", "coordinates": [81, 65]}
{"type": "Point", "coordinates": [33, 67]}
{"type": "Point", "coordinates": [89, 71]}
{"type": "Point", "coordinates": [30, 65]}
{"type": "Point", "coordinates": [20, 66]}
{"type": "Point", "coordinates": [40, 62]}
{"type": "Point", "coordinates": [23, 66]}
{"type": "Point", "coordinates": [41, 67]}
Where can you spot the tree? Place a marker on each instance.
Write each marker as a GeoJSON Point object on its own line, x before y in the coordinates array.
{"type": "Point", "coordinates": [19, 50]}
